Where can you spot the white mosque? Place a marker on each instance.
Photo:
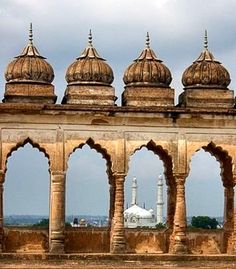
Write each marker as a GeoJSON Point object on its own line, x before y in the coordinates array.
{"type": "Point", "coordinates": [136, 216]}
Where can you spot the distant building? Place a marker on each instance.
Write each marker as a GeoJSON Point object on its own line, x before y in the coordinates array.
{"type": "Point", "coordinates": [136, 216]}
{"type": "Point", "coordinates": [80, 223]}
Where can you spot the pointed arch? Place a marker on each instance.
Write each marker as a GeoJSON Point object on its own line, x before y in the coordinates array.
{"type": "Point", "coordinates": [223, 157]}
{"type": "Point", "coordinates": [164, 156]}
{"type": "Point", "coordinates": [20, 144]}
{"type": "Point", "coordinates": [225, 161]}
{"type": "Point", "coordinates": [96, 146]}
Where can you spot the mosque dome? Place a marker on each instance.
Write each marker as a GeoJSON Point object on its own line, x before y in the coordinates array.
{"type": "Point", "coordinates": [206, 72]}
{"type": "Point", "coordinates": [147, 70]}
{"type": "Point", "coordinates": [89, 68]}
{"type": "Point", "coordinates": [138, 212]}
{"type": "Point", "coordinates": [29, 66]}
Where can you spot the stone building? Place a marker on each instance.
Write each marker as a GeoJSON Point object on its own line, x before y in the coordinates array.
{"type": "Point", "coordinates": [136, 216]}
{"type": "Point", "coordinates": [204, 118]}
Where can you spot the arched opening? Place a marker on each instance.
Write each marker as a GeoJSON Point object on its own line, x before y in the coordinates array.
{"type": "Point", "coordinates": [87, 199]}
{"type": "Point", "coordinates": [210, 199]}
{"type": "Point", "coordinates": [146, 200]}
{"type": "Point", "coordinates": [204, 192]}
{"type": "Point", "coordinates": [211, 174]}
{"type": "Point", "coordinates": [26, 199]}
{"type": "Point", "coordinates": [146, 167]}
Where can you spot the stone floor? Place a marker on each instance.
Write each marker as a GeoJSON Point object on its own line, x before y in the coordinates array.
{"type": "Point", "coordinates": [108, 261]}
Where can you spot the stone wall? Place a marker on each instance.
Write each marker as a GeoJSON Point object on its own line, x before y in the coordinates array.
{"type": "Point", "coordinates": [89, 240]}
{"type": "Point", "coordinates": [97, 240]}
{"type": "Point", "coordinates": [20, 239]}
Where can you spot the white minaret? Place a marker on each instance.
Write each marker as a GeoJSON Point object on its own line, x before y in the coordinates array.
{"type": "Point", "coordinates": [160, 201]}
{"type": "Point", "coordinates": [134, 191]}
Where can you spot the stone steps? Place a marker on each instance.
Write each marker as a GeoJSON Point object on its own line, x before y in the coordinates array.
{"type": "Point", "coordinates": [109, 261]}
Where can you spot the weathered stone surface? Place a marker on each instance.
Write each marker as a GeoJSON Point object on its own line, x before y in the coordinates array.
{"type": "Point", "coordinates": [147, 96]}
{"type": "Point", "coordinates": [174, 134]}
{"type": "Point", "coordinates": [210, 98]}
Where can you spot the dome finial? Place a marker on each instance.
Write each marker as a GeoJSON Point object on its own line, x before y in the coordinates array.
{"type": "Point", "coordinates": [147, 41]}
{"type": "Point", "coordinates": [90, 38]}
{"type": "Point", "coordinates": [31, 34]}
{"type": "Point", "coordinates": [205, 41]}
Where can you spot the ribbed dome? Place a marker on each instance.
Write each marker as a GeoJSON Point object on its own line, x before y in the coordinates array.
{"type": "Point", "coordinates": [147, 70]}
{"type": "Point", "coordinates": [139, 212]}
{"type": "Point", "coordinates": [29, 66]}
{"type": "Point", "coordinates": [89, 68]}
{"type": "Point", "coordinates": [206, 72]}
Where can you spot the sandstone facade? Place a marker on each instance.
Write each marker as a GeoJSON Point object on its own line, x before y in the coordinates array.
{"type": "Point", "coordinates": [146, 119]}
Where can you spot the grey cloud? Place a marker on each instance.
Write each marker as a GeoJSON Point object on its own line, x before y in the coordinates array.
{"type": "Point", "coordinates": [119, 30]}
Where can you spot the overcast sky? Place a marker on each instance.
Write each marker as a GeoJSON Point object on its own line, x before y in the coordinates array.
{"type": "Point", "coordinates": [119, 29]}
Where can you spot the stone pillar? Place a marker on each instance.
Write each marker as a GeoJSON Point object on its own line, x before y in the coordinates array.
{"type": "Point", "coordinates": [229, 208]}
{"type": "Point", "coordinates": [57, 212]}
{"type": "Point", "coordinates": [171, 203]}
{"type": "Point", "coordinates": [117, 230]}
{"type": "Point", "coordinates": [179, 239]}
{"type": "Point", "coordinates": [112, 203]}
{"type": "Point", "coordinates": [2, 178]}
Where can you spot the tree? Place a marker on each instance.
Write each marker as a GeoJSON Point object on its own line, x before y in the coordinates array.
{"type": "Point", "coordinates": [204, 222]}
{"type": "Point", "coordinates": [160, 226]}
{"type": "Point", "coordinates": [43, 223]}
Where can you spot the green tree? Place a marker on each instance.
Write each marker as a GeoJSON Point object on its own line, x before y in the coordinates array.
{"type": "Point", "coordinates": [160, 226]}
{"type": "Point", "coordinates": [43, 223]}
{"type": "Point", "coordinates": [204, 222]}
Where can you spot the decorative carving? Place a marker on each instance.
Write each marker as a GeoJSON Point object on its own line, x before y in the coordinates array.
{"type": "Point", "coordinates": [147, 70]}
{"type": "Point", "coordinates": [57, 212]}
{"type": "Point", "coordinates": [22, 144]}
{"type": "Point", "coordinates": [29, 66]}
{"type": "Point", "coordinates": [179, 239]}
{"type": "Point", "coordinates": [206, 72]}
{"type": "Point", "coordinates": [89, 68]}
{"type": "Point", "coordinates": [117, 230]}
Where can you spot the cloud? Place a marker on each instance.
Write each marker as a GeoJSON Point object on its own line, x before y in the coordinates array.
{"type": "Point", "coordinates": [119, 29]}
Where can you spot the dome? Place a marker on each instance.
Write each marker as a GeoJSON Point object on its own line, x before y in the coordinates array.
{"type": "Point", "coordinates": [138, 212]}
{"type": "Point", "coordinates": [147, 70]}
{"type": "Point", "coordinates": [89, 68]}
{"type": "Point", "coordinates": [206, 72]}
{"type": "Point", "coordinates": [29, 66]}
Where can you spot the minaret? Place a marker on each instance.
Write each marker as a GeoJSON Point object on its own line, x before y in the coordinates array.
{"type": "Point", "coordinates": [160, 201]}
{"type": "Point", "coordinates": [134, 192]}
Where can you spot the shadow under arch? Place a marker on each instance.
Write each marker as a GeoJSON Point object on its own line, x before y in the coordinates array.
{"type": "Point", "coordinates": [168, 173]}
{"type": "Point", "coordinates": [21, 144]}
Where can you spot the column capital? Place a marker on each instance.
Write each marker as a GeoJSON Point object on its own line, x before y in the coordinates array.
{"type": "Point", "coordinates": [58, 177]}
{"type": "Point", "coordinates": [57, 173]}
{"type": "Point", "coordinates": [180, 178]}
{"type": "Point", "coordinates": [119, 176]}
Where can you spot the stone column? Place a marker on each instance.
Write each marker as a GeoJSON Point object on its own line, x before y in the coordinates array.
{"type": "Point", "coordinates": [2, 178]}
{"type": "Point", "coordinates": [117, 230]}
{"type": "Point", "coordinates": [57, 212]}
{"type": "Point", "coordinates": [112, 203]}
{"type": "Point", "coordinates": [229, 208]}
{"type": "Point", "coordinates": [179, 240]}
{"type": "Point", "coordinates": [171, 203]}
{"type": "Point", "coordinates": [233, 251]}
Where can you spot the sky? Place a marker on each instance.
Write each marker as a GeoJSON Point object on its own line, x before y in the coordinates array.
{"type": "Point", "coordinates": [60, 28]}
